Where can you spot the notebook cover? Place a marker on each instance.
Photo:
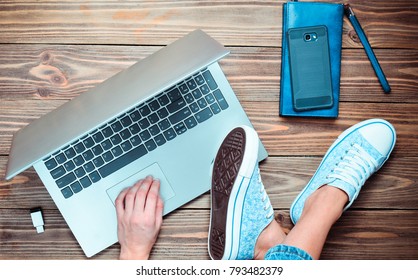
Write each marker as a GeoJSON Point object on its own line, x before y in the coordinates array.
{"type": "Point", "coordinates": [303, 14]}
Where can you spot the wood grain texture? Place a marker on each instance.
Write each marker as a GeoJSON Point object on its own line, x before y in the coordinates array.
{"type": "Point", "coordinates": [242, 23]}
{"type": "Point", "coordinates": [281, 136]}
{"type": "Point", "coordinates": [357, 235]}
{"type": "Point", "coordinates": [55, 72]}
{"type": "Point", "coordinates": [52, 51]}
{"type": "Point", "coordinates": [394, 187]}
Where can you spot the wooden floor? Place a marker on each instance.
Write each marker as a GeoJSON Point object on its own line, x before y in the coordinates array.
{"type": "Point", "coordinates": [52, 51]}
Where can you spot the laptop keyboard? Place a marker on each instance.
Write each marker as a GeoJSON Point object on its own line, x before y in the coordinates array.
{"type": "Point", "coordinates": [135, 133]}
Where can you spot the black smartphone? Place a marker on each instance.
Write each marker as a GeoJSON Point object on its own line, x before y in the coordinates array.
{"type": "Point", "coordinates": [310, 68]}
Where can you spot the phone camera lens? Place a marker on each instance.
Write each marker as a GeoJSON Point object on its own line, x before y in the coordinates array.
{"type": "Point", "coordinates": [307, 37]}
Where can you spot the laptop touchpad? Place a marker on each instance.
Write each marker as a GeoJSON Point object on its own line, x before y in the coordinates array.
{"type": "Point", "coordinates": [154, 170]}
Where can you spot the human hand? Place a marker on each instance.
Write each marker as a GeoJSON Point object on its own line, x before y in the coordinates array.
{"type": "Point", "coordinates": [139, 212]}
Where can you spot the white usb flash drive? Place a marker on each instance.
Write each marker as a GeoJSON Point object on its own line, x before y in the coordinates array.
{"type": "Point", "coordinates": [37, 220]}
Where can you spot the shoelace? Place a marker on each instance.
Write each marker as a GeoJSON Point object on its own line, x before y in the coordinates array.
{"type": "Point", "coordinates": [355, 166]}
{"type": "Point", "coordinates": [265, 199]}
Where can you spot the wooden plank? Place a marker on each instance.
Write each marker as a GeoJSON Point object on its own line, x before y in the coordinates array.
{"type": "Point", "coordinates": [393, 187]}
{"type": "Point", "coordinates": [40, 72]}
{"type": "Point", "coordinates": [161, 22]}
{"type": "Point", "coordinates": [281, 136]}
{"type": "Point", "coordinates": [371, 234]}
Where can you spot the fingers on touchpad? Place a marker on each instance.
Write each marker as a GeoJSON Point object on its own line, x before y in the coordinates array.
{"type": "Point", "coordinates": [166, 191]}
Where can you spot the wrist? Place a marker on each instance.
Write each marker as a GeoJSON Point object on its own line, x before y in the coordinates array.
{"type": "Point", "coordinates": [128, 255]}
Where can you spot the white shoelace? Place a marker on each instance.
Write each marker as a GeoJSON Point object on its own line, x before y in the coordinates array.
{"type": "Point", "coordinates": [355, 167]}
{"type": "Point", "coordinates": [265, 199]}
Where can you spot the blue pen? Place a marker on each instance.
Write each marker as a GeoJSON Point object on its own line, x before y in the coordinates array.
{"type": "Point", "coordinates": [372, 57]}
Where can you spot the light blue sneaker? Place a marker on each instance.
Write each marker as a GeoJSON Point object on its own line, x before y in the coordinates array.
{"type": "Point", "coordinates": [240, 207]}
{"type": "Point", "coordinates": [357, 153]}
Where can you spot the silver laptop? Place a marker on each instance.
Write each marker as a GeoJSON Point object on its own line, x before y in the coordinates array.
{"type": "Point", "coordinates": [164, 116]}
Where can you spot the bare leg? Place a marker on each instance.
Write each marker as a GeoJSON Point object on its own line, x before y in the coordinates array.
{"type": "Point", "coordinates": [322, 209]}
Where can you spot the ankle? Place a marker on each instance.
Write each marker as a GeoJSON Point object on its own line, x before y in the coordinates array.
{"type": "Point", "coordinates": [328, 201]}
{"type": "Point", "coordinates": [271, 236]}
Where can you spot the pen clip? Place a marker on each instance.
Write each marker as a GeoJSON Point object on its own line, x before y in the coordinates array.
{"type": "Point", "coordinates": [348, 10]}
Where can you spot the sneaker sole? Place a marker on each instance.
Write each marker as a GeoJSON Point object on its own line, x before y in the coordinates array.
{"type": "Point", "coordinates": [232, 170]}
{"type": "Point", "coordinates": [340, 138]}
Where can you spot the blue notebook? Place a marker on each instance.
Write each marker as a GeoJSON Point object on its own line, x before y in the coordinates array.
{"type": "Point", "coordinates": [306, 14]}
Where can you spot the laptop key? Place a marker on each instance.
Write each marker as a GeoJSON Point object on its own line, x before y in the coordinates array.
{"type": "Point", "coordinates": [135, 140]}
{"type": "Point", "coordinates": [51, 164]}
{"type": "Point", "coordinates": [209, 98]}
{"type": "Point", "coordinates": [221, 99]}
{"type": "Point", "coordinates": [191, 84]}
{"type": "Point", "coordinates": [173, 94]}
{"type": "Point", "coordinates": [98, 161]}
{"type": "Point", "coordinates": [66, 180]}
{"type": "Point", "coordinates": [67, 192]}
{"type": "Point", "coordinates": [145, 110]}
{"type": "Point", "coordinates": [215, 108]}
{"type": "Point", "coordinates": [150, 145]}
{"type": "Point", "coordinates": [180, 115]}
{"type": "Point", "coordinates": [98, 137]}
{"type": "Point", "coordinates": [154, 130]}
{"type": "Point", "coordinates": [164, 124]}
{"type": "Point", "coordinates": [199, 80]}
{"type": "Point", "coordinates": [97, 150]}
{"type": "Point", "coordinates": [122, 161]}
{"type": "Point", "coordinates": [190, 122]}
{"type": "Point", "coordinates": [117, 151]}
{"type": "Point", "coordinates": [183, 88]}
{"type": "Point", "coordinates": [176, 105]}
{"type": "Point", "coordinates": [88, 167]}
{"type": "Point", "coordinates": [204, 89]}
{"type": "Point", "coordinates": [159, 140]}
{"type": "Point", "coordinates": [79, 148]}
{"type": "Point", "coordinates": [126, 146]}
{"type": "Point", "coordinates": [126, 121]}
{"type": "Point", "coordinates": [163, 100]}
{"type": "Point", "coordinates": [58, 172]}
{"type": "Point", "coordinates": [197, 93]}
{"type": "Point", "coordinates": [107, 156]}
{"type": "Point", "coordinates": [88, 142]}
{"type": "Point", "coordinates": [85, 182]}
{"type": "Point", "coordinates": [144, 123]}
{"type": "Point", "coordinates": [162, 113]}
{"type": "Point", "coordinates": [153, 118]}
{"type": "Point", "coordinates": [145, 135]}
{"type": "Point", "coordinates": [154, 105]}
{"type": "Point", "coordinates": [135, 116]}
{"type": "Point", "coordinates": [69, 165]}
{"type": "Point", "coordinates": [180, 128]}
{"type": "Point", "coordinates": [95, 176]}
{"type": "Point", "coordinates": [107, 131]}
{"type": "Point", "coordinates": [79, 172]}
{"type": "Point", "coordinates": [134, 129]}
{"type": "Point", "coordinates": [60, 158]}
{"type": "Point", "coordinates": [169, 134]}
{"type": "Point", "coordinates": [115, 139]}
{"type": "Point", "coordinates": [88, 155]}
{"type": "Point", "coordinates": [76, 187]}
{"type": "Point", "coordinates": [189, 98]}
{"type": "Point", "coordinates": [209, 79]}
{"type": "Point", "coordinates": [125, 134]}
{"type": "Point", "coordinates": [79, 160]}
{"type": "Point", "coordinates": [204, 115]}
{"type": "Point", "coordinates": [194, 107]}
{"type": "Point", "coordinates": [70, 153]}
{"type": "Point", "coordinates": [202, 103]}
